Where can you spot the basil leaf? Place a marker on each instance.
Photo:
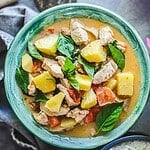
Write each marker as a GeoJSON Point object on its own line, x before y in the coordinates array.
{"type": "Point", "coordinates": [108, 116]}
{"type": "Point", "coordinates": [69, 71]}
{"type": "Point", "coordinates": [74, 83]}
{"type": "Point", "coordinates": [65, 45]}
{"type": "Point", "coordinates": [117, 56]}
{"type": "Point", "coordinates": [34, 52]}
{"type": "Point", "coordinates": [22, 79]}
{"type": "Point", "coordinates": [40, 97]}
{"type": "Point", "coordinates": [68, 68]}
{"type": "Point", "coordinates": [89, 68]}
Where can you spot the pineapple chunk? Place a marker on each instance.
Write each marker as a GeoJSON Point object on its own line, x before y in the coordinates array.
{"type": "Point", "coordinates": [89, 100]}
{"type": "Point", "coordinates": [27, 63]}
{"type": "Point", "coordinates": [94, 52]}
{"type": "Point", "coordinates": [125, 83]}
{"type": "Point", "coordinates": [112, 83]}
{"type": "Point", "coordinates": [54, 103]}
{"type": "Point", "coordinates": [45, 82]}
{"type": "Point", "coordinates": [68, 123]}
{"type": "Point", "coordinates": [84, 82]}
{"type": "Point", "coordinates": [48, 44]}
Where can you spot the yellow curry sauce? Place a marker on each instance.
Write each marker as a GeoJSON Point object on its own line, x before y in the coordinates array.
{"type": "Point", "coordinates": [131, 64]}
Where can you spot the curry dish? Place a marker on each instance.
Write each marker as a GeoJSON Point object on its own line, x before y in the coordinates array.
{"type": "Point", "coordinates": [79, 77]}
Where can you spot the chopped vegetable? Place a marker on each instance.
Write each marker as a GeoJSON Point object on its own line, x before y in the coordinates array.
{"type": "Point", "coordinates": [89, 68]}
{"type": "Point", "coordinates": [22, 79]}
{"type": "Point", "coordinates": [94, 52]}
{"type": "Point", "coordinates": [65, 46]}
{"type": "Point", "coordinates": [112, 83]}
{"type": "Point", "coordinates": [54, 121]}
{"type": "Point", "coordinates": [117, 55]}
{"type": "Point", "coordinates": [91, 116]}
{"type": "Point", "coordinates": [68, 123]}
{"type": "Point", "coordinates": [69, 71]}
{"type": "Point", "coordinates": [45, 82]}
{"type": "Point", "coordinates": [84, 82]}
{"type": "Point", "coordinates": [89, 100]}
{"type": "Point", "coordinates": [104, 95]}
{"type": "Point", "coordinates": [125, 83]}
{"type": "Point", "coordinates": [108, 116]}
{"type": "Point", "coordinates": [47, 44]}
{"type": "Point", "coordinates": [33, 51]}
{"type": "Point", "coordinates": [36, 66]}
{"type": "Point", "coordinates": [27, 62]}
{"type": "Point", "coordinates": [40, 97]}
{"type": "Point", "coordinates": [54, 103]}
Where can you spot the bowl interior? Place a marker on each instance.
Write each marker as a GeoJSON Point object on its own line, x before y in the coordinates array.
{"type": "Point", "coordinates": [18, 47]}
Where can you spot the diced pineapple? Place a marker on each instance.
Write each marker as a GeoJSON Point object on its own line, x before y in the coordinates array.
{"type": "Point", "coordinates": [27, 62]}
{"type": "Point", "coordinates": [45, 82]}
{"type": "Point", "coordinates": [125, 83]}
{"type": "Point", "coordinates": [94, 52]}
{"type": "Point", "coordinates": [89, 100]}
{"type": "Point", "coordinates": [54, 103]}
{"type": "Point", "coordinates": [112, 83]}
{"type": "Point", "coordinates": [48, 44]}
{"type": "Point", "coordinates": [84, 82]}
{"type": "Point", "coordinates": [68, 123]}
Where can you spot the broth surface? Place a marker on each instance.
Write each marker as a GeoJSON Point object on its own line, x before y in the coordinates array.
{"type": "Point", "coordinates": [131, 64]}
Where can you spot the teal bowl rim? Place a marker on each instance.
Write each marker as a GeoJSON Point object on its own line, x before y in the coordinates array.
{"type": "Point", "coordinates": [14, 95]}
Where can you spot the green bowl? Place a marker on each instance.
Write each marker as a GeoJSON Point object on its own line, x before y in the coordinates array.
{"type": "Point", "coordinates": [19, 45]}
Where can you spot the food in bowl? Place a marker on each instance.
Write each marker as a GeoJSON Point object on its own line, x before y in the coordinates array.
{"type": "Point", "coordinates": [132, 145]}
{"type": "Point", "coordinates": [77, 79]}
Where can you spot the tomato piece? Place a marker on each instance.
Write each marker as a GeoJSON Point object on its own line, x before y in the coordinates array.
{"type": "Point", "coordinates": [91, 116]}
{"type": "Point", "coordinates": [75, 95]}
{"type": "Point", "coordinates": [104, 95]}
{"type": "Point", "coordinates": [54, 121]}
{"type": "Point", "coordinates": [36, 66]}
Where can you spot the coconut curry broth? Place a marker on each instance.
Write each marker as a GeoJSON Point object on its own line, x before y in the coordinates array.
{"type": "Point", "coordinates": [131, 64]}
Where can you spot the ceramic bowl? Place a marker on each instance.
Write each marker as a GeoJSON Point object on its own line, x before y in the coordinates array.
{"type": "Point", "coordinates": [50, 16]}
{"type": "Point", "coordinates": [131, 138]}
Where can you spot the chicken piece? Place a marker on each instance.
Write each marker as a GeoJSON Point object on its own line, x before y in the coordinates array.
{"type": "Point", "coordinates": [79, 36]}
{"type": "Point", "coordinates": [65, 82]}
{"type": "Point", "coordinates": [106, 35]}
{"type": "Point", "coordinates": [61, 60]}
{"type": "Point", "coordinates": [53, 67]}
{"type": "Point", "coordinates": [41, 118]}
{"type": "Point", "coordinates": [68, 98]}
{"type": "Point", "coordinates": [105, 73]}
{"type": "Point", "coordinates": [93, 131]}
{"type": "Point", "coordinates": [77, 114]}
{"type": "Point", "coordinates": [75, 23]}
{"type": "Point", "coordinates": [63, 110]}
{"type": "Point", "coordinates": [65, 31]}
{"type": "Point", "coordinates": [31, 86]}
{"type": "Point", "coordinates": [121, 45]}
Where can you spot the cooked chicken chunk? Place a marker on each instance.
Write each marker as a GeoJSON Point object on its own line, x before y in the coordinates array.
{"type": "Point", "coordinates": [31, 86]}
{"type": "Point", "coordinates": [41, 118]}
{"type": "Point", "coordinates": [53, 67]}
{"type": "Point", "coordinates": [121, 45]}
{"type": "Point", "coordinates": [79, 36]}
{"type": "Point", "coordinates": [61, 60]}
{"type": "Point", "coordinates": [106, 35]}
{"type": "Point", "coordinates": [69, 100]}
{"type": "Point", "coordinates": [65, 82]}
{"type": "Point", "coordinates": [105, 73]}
{"type": "Point", "coordinates": [77, 114]}
{"type": "Point", "coordinates": [66, 31]}
{"type": "Point", "coordinates": [75, 23]}
{"type": "Point", "coordinates": [63, 110]}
